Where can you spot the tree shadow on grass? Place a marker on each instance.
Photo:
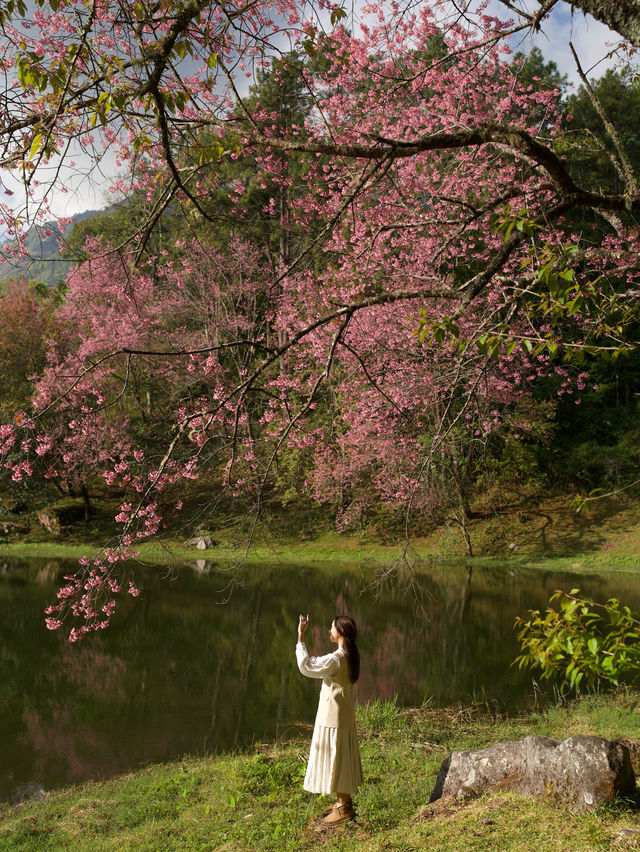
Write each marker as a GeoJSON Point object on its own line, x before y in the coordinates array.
{"type": "Point", "coordinates": [555, 527]}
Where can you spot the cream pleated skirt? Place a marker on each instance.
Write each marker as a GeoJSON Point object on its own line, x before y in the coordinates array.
{"type": "Point", "coordinates": [334, 761]}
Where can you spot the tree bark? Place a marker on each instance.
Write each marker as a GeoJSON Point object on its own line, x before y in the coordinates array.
{"type": "Point", "coordinates": [461, 521]}
{"type": "Point", "coordinates": [84, 493]}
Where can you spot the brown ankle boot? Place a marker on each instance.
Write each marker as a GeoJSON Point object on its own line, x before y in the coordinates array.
{"type": "Point", "coordinates": [338, 815]}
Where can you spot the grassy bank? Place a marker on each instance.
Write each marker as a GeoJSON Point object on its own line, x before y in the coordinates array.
{"type": "Point", "coordinates": [548, 534]}
{"type": "Point", "coordinates": [331, 555]}
{"type": "Point", "coordinates": [326, 549]}
{"type": "Point", "coordinates": [253, 800]}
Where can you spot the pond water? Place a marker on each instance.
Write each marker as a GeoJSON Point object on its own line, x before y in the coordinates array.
{"type": "Point", "coordinates": [181, 672]}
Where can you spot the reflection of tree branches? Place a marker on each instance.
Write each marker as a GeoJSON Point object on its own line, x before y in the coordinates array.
{"type": "Point", "coordinates": [411, 572]}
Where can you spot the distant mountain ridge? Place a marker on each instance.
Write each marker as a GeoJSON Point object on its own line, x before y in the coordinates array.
{"type": "Point", "coordinates": [43, 262]}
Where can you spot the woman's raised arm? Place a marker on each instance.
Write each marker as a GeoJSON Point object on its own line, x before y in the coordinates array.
{"type": "Point", "coordinates": [326, 666]}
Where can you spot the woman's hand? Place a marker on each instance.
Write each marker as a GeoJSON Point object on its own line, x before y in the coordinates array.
{"type": "Point", "coordinates": [303, 623]}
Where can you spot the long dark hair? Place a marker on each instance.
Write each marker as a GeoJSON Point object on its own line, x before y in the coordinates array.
{"type": "Point", "coordinates": [346, 627]}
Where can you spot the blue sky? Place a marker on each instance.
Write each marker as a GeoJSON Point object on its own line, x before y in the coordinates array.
{"type": "Point", "coordinates": [591, 39]}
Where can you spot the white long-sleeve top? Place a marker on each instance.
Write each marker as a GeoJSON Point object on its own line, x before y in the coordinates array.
{"type": "Point", "coordinates": [338, 696]}
{"type": "Point", "coordinates": [318, 667]}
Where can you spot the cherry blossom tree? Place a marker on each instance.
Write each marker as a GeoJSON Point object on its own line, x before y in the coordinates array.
{"type": "Point", "coordinates": [27, 321]}
{"type": "Point", "coordinates": [433, 273]}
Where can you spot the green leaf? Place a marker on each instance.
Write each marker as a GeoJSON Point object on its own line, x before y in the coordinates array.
{"type": "Point", "coordinates": [37, 143]}
{"type": "Point", "coordinates": [493, 350]}
{"type": "Point", "coordinates": [212, 60]}
{"type": "Point", "coordinates": [309, 47]}
{"type": "Point", "coordinates": [508, 231]}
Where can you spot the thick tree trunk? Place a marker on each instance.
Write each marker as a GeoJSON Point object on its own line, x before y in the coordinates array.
{"type": "Point", "coordinates": [461, 520]}
{"type": "Point", "coordinates": [84, 493]}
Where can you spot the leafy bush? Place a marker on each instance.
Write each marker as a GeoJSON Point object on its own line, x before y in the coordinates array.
{"type": "Point", "coordinates": [583, 643]}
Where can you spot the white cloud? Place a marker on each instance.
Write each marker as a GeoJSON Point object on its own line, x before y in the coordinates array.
{"type": "Point", "coordinates": [593, 42]}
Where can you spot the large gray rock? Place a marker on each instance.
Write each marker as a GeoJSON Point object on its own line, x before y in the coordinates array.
{"type": "Point", "coordinates": [580, 772]}
{"type": "Point", "coordinates": [201, 542]}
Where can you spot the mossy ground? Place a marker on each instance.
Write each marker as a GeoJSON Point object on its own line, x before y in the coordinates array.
{"type": "Point", "coordinates": [253, 800]}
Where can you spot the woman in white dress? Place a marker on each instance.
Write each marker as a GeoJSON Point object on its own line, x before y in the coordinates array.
{"type": "Point", "coordinates": [334, 758]}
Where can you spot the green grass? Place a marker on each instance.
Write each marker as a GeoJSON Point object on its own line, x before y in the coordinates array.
{"type": "Point", "coordinates": [175, 552]}
{"type": "Point", "coordinates": [328, 549]}
{"type": "Point", "coordinates": [579, 563]}
{"type": "Point", "coordinates": [549, 534]}
{"type": "Point", "coordinates": [253, 800]}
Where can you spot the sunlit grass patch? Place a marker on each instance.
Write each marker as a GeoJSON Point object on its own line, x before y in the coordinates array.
{"type": "Point", "coordinates": [380, 716]}
{"type": "Point", "coordinates": [506, 822]}
{"type": "Point", "coordinates": [253, 800]}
